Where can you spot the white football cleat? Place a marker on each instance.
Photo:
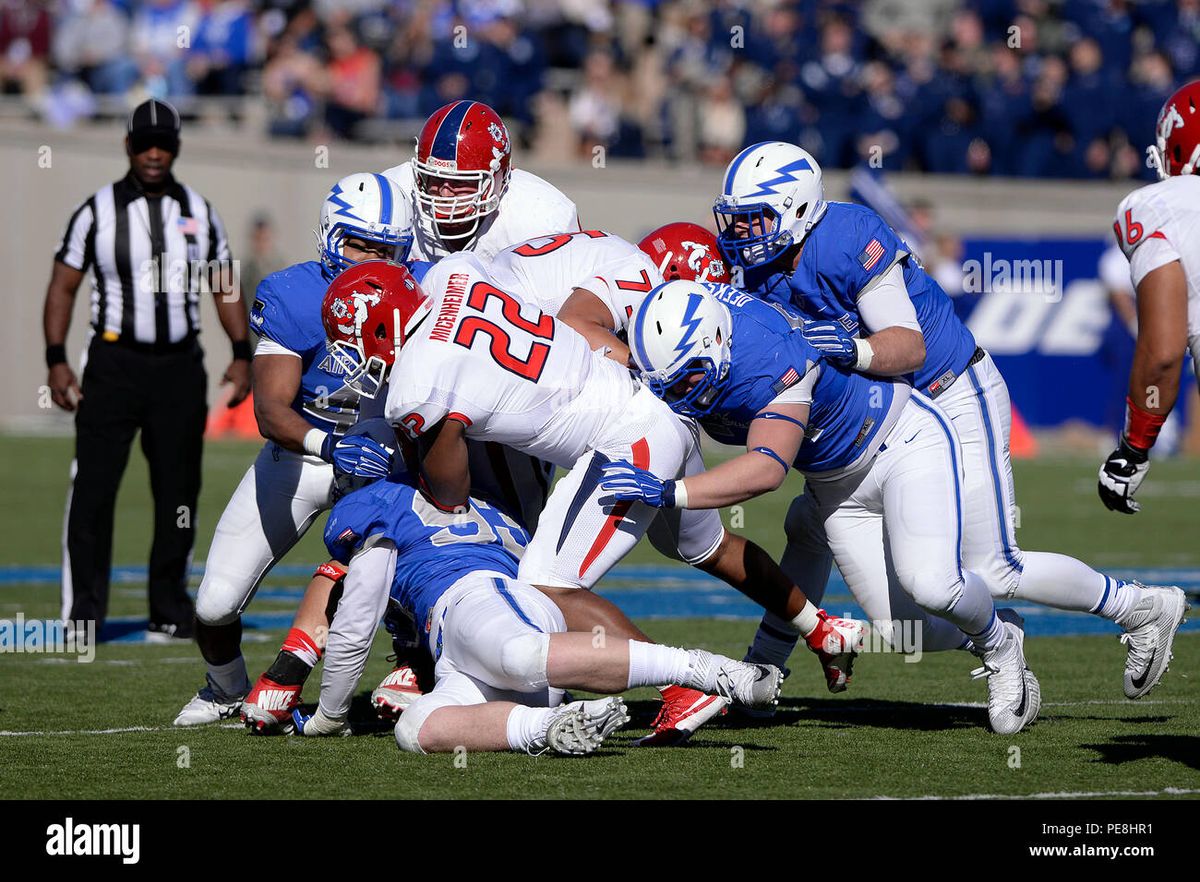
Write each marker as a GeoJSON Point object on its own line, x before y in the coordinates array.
{"type": "Point", "coordinates": [1150, 629]}
{"type": "Point", "coordinates": [209, 706]}
{"type": "Point", "coordinates": [754, 685]}
{"type": "Point", "coordinates": [395, 692]}
{"type": "Point", "coordinates": [1014, 694]}
{"type": "Point", "coordinates": [579, 728]}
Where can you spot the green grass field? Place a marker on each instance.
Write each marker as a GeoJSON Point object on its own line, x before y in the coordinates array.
{"type": "Point", "coordinates": [903, 730]}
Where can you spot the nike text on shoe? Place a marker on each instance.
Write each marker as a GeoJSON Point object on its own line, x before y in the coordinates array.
{"type": "Point", "coordinates": [267, 710]}
{"type": "Point", "coordinates": [683, 711]}
{"type": "Point", "coordinates": [580, 728]}
{"type": "Point", "coordinates": [1014, 694]}
{"type": "Point", "coordinates": [395, 692]}
{"type": "Point", "coordinates": [753, 685]}
{"type": "Point", "coordinates": [1150, 629]}
{"type": "Point", "coordinates": [208, 706]}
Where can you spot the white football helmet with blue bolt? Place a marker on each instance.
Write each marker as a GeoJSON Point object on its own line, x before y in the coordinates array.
{"type": "Point", "coordinates": [771, 197]}
{"type": "Point", "coordinates": [364, 206]}
{"type": "Point", "coordinates": [681, 329]}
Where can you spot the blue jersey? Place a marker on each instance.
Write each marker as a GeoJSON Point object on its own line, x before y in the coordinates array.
{"type": "Point", "coordinates": [434, 549]}
{"type": "Point", "coordinates": [287, 311]}
{"type": "Point", "coordinates": [849, 248]}
{"type": "Point", "coordinates": [770, 355]}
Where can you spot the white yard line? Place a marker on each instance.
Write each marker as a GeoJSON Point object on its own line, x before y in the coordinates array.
{"type": "Point", "coordinates": [10, 734]}
{"type": "Point", "coordinates": [1095, 794]}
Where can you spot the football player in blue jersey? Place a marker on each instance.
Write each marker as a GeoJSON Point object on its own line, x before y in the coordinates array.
{"type": "Point", "coordinates": [303, 407]}
{"type": "Point", "coordinates": [872, 307]}
{"type": "Point", "coordinates": [502, 652]}
{"type": "Point", "coordinates": [881, 462]}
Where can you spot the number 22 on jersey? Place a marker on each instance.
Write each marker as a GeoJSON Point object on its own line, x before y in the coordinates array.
{"type": "Point", "coordinates": [502, 335]}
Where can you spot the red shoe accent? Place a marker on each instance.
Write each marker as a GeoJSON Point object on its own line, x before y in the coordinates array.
{"type": "Point", "coordinates": [396, 692]}
{"type": "Point", "coordinates": [269, 704]}
{"type": "Point", "coordinates": [836, 642]}
{"type": "Point", "coordinates": [683, 711]}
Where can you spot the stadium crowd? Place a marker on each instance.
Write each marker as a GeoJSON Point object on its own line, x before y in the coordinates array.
{"type": "Point", "coordinates": [1006, 87]}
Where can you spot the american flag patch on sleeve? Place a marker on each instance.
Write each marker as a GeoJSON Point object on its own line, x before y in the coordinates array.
{"type": "Point", "coordinates": [871, 254]}
{"type": "Point", "coordinates": [189, 226]}
{"type": "Point", "coordinates": [791, 378]}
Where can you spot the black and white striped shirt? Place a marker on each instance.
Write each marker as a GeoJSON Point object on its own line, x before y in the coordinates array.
{"type": "Point", "coordinates": [150, 257]}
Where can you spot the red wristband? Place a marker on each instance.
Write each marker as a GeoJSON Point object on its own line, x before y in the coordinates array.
{"type": "Point", "coordinates": [1141, 427]}
{"type": "Point", "coordinates": [331, 570]}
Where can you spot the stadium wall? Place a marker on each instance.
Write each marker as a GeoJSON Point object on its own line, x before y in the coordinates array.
{"type": "Point", "coordinates": [47, 173]}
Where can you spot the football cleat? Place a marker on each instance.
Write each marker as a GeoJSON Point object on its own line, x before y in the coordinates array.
{"type": "Point", "coordinates": [836, 642]}
{"type": "Point", "coordinates": [267, 710]}
{"type": "Point", "coordinates": [683, 711]}
{"type": "Point", "coordinates": [756, 686]}
{"type": "Point", "coordinates": [580, 728]}
{"type": "Point", "coordinates": [395, 692]}
{"type": "Point", "coordinates": [209, 705]}
{"type": "Point", "coordinates": [1014, 694]}
{"type": "Point", "coordinates": [1150, 629]}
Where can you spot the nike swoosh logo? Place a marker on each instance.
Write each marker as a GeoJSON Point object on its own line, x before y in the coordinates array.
{"type": "Point", "coordinates": [1139, 682]}
{"type": "Point", "coordinates": [1020, 710]}
{"type": "Point", "coordinates": [914, 435]}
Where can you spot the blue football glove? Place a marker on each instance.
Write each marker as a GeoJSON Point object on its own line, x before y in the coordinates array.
{"type": "Point", "coordinates": [359, 456]}
{"type": "Point", "coordinates": [627, 482]}
{"type": "Point", "coordinates": [835, 343]}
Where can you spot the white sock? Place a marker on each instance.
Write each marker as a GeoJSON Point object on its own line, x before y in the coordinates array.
{"type": "Point", "coordinates": [777, 637]}
{"type": "Point", "coordinates": [1066, 583]}
{"type": "Point", "coordinates": [527, 727]}
{"type": "Point", "coordinates": [651, 664]}
{"type": "Point", "coordinates": [702, 671]}
{"type": "Point", "coordinates": [231, 678]}
{"type": "Point", "coordinates": [975, 613]}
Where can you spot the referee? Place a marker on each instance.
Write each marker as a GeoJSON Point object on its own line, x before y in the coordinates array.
{"type": "Point", "coordinates": [152, 245]}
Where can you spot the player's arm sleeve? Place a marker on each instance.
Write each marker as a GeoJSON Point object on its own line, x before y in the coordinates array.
{"type": "Point", "coordinates": [270, 322]}
{"type": "Point", "coordinates": [800, 392]}
{"type": "Point", "coordinates": [75, 248]}
{"type": "Point", "coordinates": [364, 601]}
{"type": "Point", "coordinates": [267, 346]}
{"type": "Point", "coordinates": [885, 303]}
{"type": "Point", "coordinates": [1141, 231]}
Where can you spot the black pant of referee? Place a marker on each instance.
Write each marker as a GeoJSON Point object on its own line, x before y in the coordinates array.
{"type": "Point", "coordinates": [152, 244]}
{"type": "Point", "coordinates": [160, 390]}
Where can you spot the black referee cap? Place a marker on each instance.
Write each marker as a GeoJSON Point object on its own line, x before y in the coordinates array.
{"type": "Point", "coordinates": [154, 123]}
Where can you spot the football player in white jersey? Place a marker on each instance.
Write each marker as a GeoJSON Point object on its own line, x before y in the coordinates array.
{"type": "Point", "coordinates": [475, 362]}
{"type": "Point", "coordinates": [593, 282]}
{"type": "Point", "coordinates": [1158, 229]}
{"type": "Point", "coordinates": [466, 193]}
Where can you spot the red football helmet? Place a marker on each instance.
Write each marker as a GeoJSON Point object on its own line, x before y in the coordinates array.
{"type": "Point", "coordinates": [462, 166]}
{"type": "Point", "coordinates": [1178, 133]}
{"type": "Point", "coordinates": [686, 251]}
{"type": "Point", "coordinates": [369, 312]}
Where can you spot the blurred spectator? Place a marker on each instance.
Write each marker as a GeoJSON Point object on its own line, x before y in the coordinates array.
{"type": "Point", "coordinates": [1003, 87]}
{"type": "Point", "coordinates": [94, 45]}
{"type": "Point", "coordinates": [222, 48]}
{"type": "Point", "coordinates": [263, 257]}
{"type": "Point", "coordinates": [163, 31]}
{"type": "Point", "coordinates": [350, 82]}
{"type": "Point", "coordinates": [24, 47]}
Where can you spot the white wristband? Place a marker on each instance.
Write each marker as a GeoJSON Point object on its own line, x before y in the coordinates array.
{"type": "Point", "coordinates": [865, 354]}
{"type": "Point", "coordinates": [314, 440]}
{"type": "Point", "coordinates": [680, 494]}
